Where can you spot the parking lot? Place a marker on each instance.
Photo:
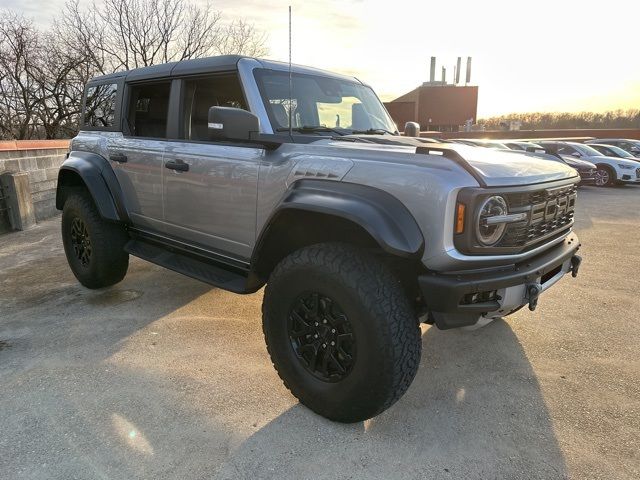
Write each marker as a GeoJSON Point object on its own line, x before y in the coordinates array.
{"type": "Point", "coordinates": [164, 377]}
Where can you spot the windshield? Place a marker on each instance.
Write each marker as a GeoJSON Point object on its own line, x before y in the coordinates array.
{"type": "Point", "coordinates": [618, 151]}
{"type": "Point", "coordinates": [586, 150]}
{"type": "Point", "coordinates": [339, 106]}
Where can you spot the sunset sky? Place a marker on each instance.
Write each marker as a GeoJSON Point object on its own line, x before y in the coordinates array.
{"type": "Point", "coordinates": [562, 55]}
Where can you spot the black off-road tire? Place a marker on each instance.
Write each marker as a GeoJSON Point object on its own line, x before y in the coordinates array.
{"type": "Point", "coordinates": [107, 262]}
{"type": "Point", "coordinates": [387, 337]}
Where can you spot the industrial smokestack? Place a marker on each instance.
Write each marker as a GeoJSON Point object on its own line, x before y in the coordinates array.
{"type": "Point", "coordinates": [468, 79]}
{"type": "Point", "coordinates": [458, 67]}
{"type": "Point", "coordinates": [444, 75]}
{"type": "Point", "coordinates": [432, 72]}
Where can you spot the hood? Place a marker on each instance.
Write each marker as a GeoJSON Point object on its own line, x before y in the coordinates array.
{"type": "Point", "coordinates": [494, 167]}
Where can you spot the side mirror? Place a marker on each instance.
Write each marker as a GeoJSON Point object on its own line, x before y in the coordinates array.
{"type": "Point", "coordinates": [227, 123]}
{"type": "Point", "coordinates": [412, 129]}
{"type": "Point", "coordinates": [576, 154]}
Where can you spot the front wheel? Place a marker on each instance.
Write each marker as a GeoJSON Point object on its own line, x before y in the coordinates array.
{"type": "Point", "coordinates": [604, 177]}
{"type": "Point", "coordinates": [94, 247]}
{"type": "Point", "coordinates": [340, 331]}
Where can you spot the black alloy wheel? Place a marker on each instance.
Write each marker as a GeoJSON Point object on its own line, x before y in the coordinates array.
{"type": "Point", "coordinates": [80, 241]}
{"type": "Point", "coordinates": [322, 337]}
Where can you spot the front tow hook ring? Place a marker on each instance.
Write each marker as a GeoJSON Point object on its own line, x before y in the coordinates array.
{"type": "Point", "coordinates": [576, 260]}
{"type": "Point", "coordinates": [533, 292]}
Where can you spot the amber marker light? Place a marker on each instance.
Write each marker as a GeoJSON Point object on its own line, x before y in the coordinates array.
{"type": "Point", "coordinates": [460, 208]}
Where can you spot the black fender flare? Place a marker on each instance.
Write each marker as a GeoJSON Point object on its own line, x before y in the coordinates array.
{"type": "Point", "coordinates": [380, 214]}
{"type": "Point", "coordinates": [100, 180]}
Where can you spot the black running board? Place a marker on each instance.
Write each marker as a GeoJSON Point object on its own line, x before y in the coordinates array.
{"type": "Point", "coordinates": [198, 267]}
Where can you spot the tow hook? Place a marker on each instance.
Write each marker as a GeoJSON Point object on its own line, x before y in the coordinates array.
{"type": "Point", "coordinates": [576, 260]}
{"type": "Point", "coordinates": [533, 292]}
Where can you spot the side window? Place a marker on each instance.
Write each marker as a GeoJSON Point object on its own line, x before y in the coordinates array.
{"type": "Point", "coordinates": [148, 110]}
{"type": "Point", "coordinates": [566, 150]}
{"type": "Point", "coordinates": [203, 93]}
{"type": "Point", "coordinates": [100, 106]}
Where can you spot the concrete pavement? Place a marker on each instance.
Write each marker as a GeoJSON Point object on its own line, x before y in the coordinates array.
{"type": "Point", "coordinates": [163, 377]}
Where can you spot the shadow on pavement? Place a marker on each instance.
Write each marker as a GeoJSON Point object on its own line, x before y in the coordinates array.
{"type": "Point", "coordinates": [475, 410]}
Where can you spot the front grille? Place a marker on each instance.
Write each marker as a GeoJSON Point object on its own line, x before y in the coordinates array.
{"type": "Point", "coordinates": [637, 172]}
{"type": "Point", "coordinates": [549, 212]}
{"type": "Point", "coordinates": [546, 211]}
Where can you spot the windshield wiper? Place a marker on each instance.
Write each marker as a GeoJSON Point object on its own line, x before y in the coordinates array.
{"type": "Point", "coordinates": [372, 131]}
{"type": "Point", "coordinates": [311, 129]}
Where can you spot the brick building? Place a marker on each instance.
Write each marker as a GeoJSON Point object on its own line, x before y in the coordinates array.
{"type": "Point", "coordinates": [436, 107]}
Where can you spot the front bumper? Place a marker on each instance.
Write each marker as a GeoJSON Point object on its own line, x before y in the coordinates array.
{"type": "Point", "coordinates": [517, 285]}
{"type": "Point", "coordinates": [587, 178]}
{"type": "Point", "coordinates": [627, 177]}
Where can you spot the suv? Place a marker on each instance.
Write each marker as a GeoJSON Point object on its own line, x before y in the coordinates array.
{"type": "Point", "coordinates": [240, 172]}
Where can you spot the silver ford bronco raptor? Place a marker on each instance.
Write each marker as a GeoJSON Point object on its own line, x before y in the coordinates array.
{"type": "Point", "coordinates": [242, 172]}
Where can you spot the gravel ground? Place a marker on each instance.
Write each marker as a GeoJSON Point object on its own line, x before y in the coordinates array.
{"type": "Point", "coordinates": [163, 377]}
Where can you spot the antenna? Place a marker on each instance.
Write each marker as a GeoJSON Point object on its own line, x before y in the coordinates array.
{"type": "Point", "coordinates": [290, 81]}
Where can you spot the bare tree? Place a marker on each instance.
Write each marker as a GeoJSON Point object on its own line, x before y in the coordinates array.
{"type": "Point", "coordinates": [566, 120]}
{"type": "Point", "coordinates": [125, 34]}
{"type": "Point", "coordinates": [19, 60]}
{"type": "Point", "coordinates": [242, 37]}
{"type": "Point", "coordinates": [42, 74]}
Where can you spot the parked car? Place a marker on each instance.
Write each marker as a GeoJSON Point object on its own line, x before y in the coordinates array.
{"type": "Point", "coordinates": [610, 170]}
{"type": "Point", "coordinates": [481, 143]}
{"type": "Point", "coordinates": [631, 146]}
{"type": "Point", "coordinates": [199, 166]}
{"type": "Point", "coordinates": [522, 146]}
{"type": "Point", "coordinates": [613, 151]}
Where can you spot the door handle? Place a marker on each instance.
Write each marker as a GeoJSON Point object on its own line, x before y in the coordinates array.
{"type": "Point", "coordinates": [118, 157]}
{"type": "Point", "coordinates": [178, 165]}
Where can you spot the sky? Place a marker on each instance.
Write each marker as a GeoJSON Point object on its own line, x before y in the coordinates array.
{"type": "Point", "coordinates": [560, 55]}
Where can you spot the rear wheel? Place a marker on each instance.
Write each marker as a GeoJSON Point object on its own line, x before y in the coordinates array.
{"type": "Point", "coordinates": [605, 177]}
{"type": "Point", "coordinates": [340, 331]}
{"type": "Point", "coordinates": [93, 246]}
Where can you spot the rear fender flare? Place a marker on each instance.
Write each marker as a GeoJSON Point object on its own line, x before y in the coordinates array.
{"type": "Point", "coordinates": [99, 179]}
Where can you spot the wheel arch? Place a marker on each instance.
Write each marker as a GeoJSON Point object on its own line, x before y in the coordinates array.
{"type": "Point", "coordinates": [92, 172]}
{"type": "Point", "coordinates": [319, 211]}
{"type": "Point", "coordinates": [608, 168]}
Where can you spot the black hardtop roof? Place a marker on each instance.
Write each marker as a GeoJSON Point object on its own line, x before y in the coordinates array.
{"type": "Point", "coordinates": [205, 65]}
{"type": "Point", "coordinates": [184, 67]}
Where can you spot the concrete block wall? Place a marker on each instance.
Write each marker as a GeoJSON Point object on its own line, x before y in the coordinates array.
{"type": "Point", "coordinates": [41, 160]}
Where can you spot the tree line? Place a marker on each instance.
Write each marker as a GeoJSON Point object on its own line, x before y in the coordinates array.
{"type": "Point", "coordinates": [559, 121]}
{"type": "Point", "coordinates": [43, 72]}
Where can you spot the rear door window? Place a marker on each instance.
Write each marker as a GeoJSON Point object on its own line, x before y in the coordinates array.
{"type": "Point", "coordinates": [148, 109]}
{"type": "Point", "coordinates": [100, 106]}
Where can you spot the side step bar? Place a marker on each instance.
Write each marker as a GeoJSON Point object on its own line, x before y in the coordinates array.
{"type": "Point", "coordinates": [194, 266]}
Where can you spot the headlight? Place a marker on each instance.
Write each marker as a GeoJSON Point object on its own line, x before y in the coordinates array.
{"type": "Point", "coordinates": [626, 167]}
{"type": "Point", "coordinates": [488, 231]}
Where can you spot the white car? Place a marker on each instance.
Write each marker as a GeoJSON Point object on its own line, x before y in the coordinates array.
{"type": "Point", "coordinates": [610, 170]}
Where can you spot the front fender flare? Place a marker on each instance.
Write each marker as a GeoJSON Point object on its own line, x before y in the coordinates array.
{"type": "Point", "coordinates": [379, 213]}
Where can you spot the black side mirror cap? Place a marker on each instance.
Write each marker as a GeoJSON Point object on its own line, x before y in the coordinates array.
{"type": "Point", "coordinates": [227, 123]}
